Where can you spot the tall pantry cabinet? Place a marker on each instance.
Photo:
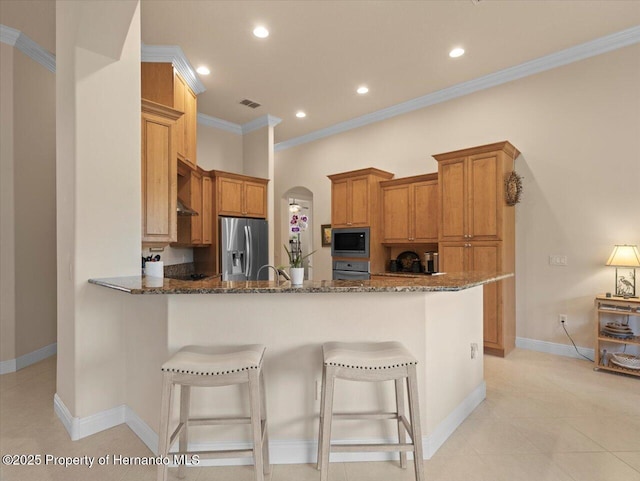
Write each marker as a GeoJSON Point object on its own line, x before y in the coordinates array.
{"type": "Point", "coordinates": [477, 230]}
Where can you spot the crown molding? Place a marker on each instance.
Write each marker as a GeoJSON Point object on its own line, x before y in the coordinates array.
{"type": "Point", "coordinates": [260, 122]}
{"type": "Point", "coordinates": [221, 124]}
{"type": "Point", "coordinates": [592, 48]}
{"type": "Point", "coordinates": [173, 54]}
{"type": "Point", "coordinates": [22, 42]}
{"type": "Point", "coordinates": [264, 121]}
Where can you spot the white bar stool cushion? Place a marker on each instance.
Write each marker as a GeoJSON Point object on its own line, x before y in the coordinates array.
{"type": "Point", "coordinates": [215, 360]}
{"type": "Point", "coordinates": [367, 355]}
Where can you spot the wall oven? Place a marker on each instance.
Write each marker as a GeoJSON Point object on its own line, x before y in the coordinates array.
{"type": "Point", "coordinates": [350, 242]}
{"type": "Point", "coordinates": [351, 270]}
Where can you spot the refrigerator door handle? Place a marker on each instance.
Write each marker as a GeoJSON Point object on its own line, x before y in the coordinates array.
{"type": "Point", "coordinates": [247, 248]}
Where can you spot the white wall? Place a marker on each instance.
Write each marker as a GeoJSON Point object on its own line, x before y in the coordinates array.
{"type": "Point", "coordinates": [35, 206]}
{"type": "Point", "coordinates": [7, 206]}
{"type": "Point", "coordinates": [577, 128]}
{"type": "Point", "coordinates": [98, 188]}
{"type": "Point", "coordinates": [219, 150]}
{"type": "Point", "coordinates": [28, 246]}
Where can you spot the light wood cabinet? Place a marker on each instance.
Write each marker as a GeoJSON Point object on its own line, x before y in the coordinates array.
{"type": "Point", "coordinates": [240, 195]}
{"type": "Point", "coordinates": [472, 192]}
{"type": "Point", "coordinates": [356, 200]}
{"type": "Point", "coordinates": [355, 197]}
{"type": "Point", "coordinates": [194, 190]}
{"type": "Point", "coordinates": [477, 230]}
{"type": "Point", "coordinates": [410, 209]}
{"type": "Point", "coordinates": [161, 83]}
{"type": "Point", "coordinates": [482, 256]}
{"type": "Point", "coordinates": [159, 168]}
{"type": "Point", "coordinates": [232, 195]}
{"type": "Point", "coordinates": [207, 210]}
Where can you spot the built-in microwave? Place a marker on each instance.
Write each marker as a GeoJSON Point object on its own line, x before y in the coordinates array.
{"type": "Point", "coordinates": [350, 242]}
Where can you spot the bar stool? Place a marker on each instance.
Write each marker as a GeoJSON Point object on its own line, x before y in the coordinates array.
{"type": "Point", "coordinates": [210, 367]}
{"type": "Point", "coordinates": [373, 362]}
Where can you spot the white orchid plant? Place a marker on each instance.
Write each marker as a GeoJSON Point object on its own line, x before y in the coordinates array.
{"type": "Point", "coordinates": [297, 225]}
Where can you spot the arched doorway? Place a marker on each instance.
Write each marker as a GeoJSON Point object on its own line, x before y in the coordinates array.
{"type": "Point", "coordinates": [298, 201]}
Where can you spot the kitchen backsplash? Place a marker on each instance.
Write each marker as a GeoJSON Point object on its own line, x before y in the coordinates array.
{"type": "Point", "coordinates": [172, 255]}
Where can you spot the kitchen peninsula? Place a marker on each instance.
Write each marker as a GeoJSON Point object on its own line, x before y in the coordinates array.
{"type": "Point", "coordinates": [438, 318]}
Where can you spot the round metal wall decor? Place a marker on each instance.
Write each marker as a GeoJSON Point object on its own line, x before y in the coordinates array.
{"type": "Point", "coordinates": [513, 188]}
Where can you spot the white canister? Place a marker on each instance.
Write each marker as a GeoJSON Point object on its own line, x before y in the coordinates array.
{"type": "Point", "coordinates": [154, 269]}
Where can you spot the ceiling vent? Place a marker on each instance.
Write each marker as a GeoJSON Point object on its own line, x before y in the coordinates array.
{"type": "Point", "coordinates": [250, 103]}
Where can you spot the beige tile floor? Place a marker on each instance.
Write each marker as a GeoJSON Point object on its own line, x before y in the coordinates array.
{"type": "Point", "coordinates": [546, 418]}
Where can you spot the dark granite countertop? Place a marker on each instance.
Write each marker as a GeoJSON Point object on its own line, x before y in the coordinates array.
{"type": "Point", "coordinates": [392, 283]}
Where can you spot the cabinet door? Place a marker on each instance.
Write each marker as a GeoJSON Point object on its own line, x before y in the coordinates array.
{"type": "Point", "coordinates": [190, 125]}
{"type": "Point", "coordinates": [179, 88]}
{"type": "Point", "coordinates": [196, 203]}
{"type": "Point", "coordinates": [229, 196]}
{"type": "Point", "coordinates": [454, 256]}
{"type": "Point", "coordinates": [159, 185]}
{"type": "Point", "coordinates": [207, 210]}
{"type": "Point", "coordinates": [358, 199]}
{"type": "Point", "coordinates": [396, 213]}
{"type": "Point", "coordinates": [339, 216]}
{"type": "Point", "coordinates": [486, 256]}
{"type": "Point", "coordinates": [485, 206]}
{"type": "Point", "coordinates": [425, 211]}
{"type": "Point", "coordinates": [255, 200]}
{"type": "Point", "coordinates": [452, 181]}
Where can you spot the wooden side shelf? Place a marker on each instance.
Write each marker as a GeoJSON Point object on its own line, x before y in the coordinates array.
{"type": "Point", "coordinates": [615, 307]}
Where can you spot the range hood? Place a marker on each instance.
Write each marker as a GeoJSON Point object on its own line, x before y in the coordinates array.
{"type": "Point", "coordinates": [185, 209]}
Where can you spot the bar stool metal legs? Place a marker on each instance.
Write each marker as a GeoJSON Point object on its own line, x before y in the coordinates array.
{"type": "Point", "coordinates": [371, 362]}
{"type": "Point", "coordinates": [210, 367]}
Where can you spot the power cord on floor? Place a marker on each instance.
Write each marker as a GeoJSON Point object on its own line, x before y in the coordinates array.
{"type": "Point", "coordinates": [574, 344]}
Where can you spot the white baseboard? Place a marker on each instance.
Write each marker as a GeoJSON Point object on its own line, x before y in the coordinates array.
{"type": "Point", "coordinates": [566, 350]}
{"type": "Point", "coordinates": [79, 428]}
{"type": "Point", "coordinates": [281, 451]}
{"type": "Point", "coordinates": [7, 366]}
{"type": "Point", "coordinates": [13, 365]}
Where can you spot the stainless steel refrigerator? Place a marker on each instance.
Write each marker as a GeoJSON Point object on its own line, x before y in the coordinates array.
{"type": "Point", "coordinates": [244, 248]}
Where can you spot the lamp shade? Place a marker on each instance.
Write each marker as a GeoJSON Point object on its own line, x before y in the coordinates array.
{"type": "Point", "coordinates": [624, 255]}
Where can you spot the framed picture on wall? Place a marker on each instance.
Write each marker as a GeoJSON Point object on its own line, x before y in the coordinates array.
{"type": "Point", "coordinates": [325, 231]}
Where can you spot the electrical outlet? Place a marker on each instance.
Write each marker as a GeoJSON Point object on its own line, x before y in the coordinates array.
{"type": "Point", "coordinates": [562, 319]}
{"type": "Point", "coordinates": [474, 350]}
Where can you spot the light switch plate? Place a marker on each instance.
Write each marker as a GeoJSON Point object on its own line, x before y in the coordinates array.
{"type": "Point", "coordinates": [558, 260]}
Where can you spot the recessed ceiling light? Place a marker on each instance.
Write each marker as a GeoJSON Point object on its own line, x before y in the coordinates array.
{"type": "Point", "coordinates": [300, 114]}
{"type": "Point", "coordinates": [202, 70]}
{"type": "Point", "coordinates": [261, 32]}
{"type": "Point", "coordinates": [362, 90]}
{"type": "Point", "coordinates": [456, 52]}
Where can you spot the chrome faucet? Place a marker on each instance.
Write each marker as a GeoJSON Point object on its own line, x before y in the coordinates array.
{"type": "Point", "coordinates": [279, 272]}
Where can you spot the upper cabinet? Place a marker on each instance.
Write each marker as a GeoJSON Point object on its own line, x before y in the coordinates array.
{"type": "Point", "coordinates": [159, 172]}
{"type": "Point", "coordinates": [472, 192]}
{"type": "Point", "coordinates": [355, 197]}
{"type": "Point", "coordinates": [161, 83]}
{"type": "Point", "coordinates": [194, 190]}
{"type": "Point", "coordinates": [240, 195]}
{"type": "Point", "coordinates": [410, 209]}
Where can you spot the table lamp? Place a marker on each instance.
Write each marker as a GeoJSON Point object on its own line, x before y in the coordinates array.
{"type": "Point", "coordinates": [625, 255]}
